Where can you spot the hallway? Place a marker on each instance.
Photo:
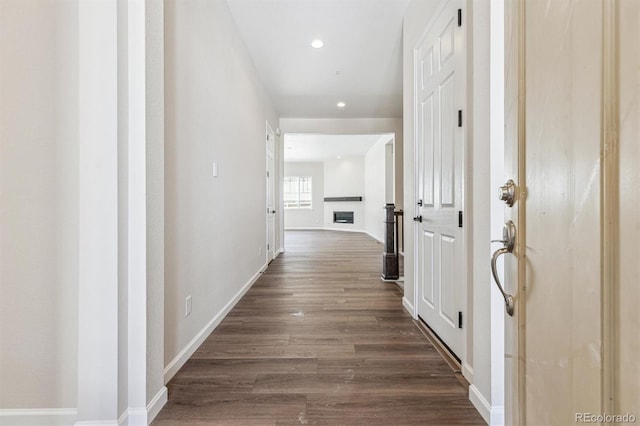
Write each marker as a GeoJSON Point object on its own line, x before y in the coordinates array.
{"type": "Point", "coordinates": [318, 339]}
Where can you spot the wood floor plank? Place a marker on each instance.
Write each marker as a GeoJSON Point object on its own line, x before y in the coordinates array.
{"type": "Point", "coordinates": [354, 383]}
{"type": "Point", "coordinates": [432, 409]}
{"type": "Point", "coordinates": [319, 340]}
{"type": "Point", "coordinates": [203, 369]}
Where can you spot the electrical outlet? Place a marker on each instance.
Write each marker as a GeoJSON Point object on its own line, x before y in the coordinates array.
{"type": "Point", "coordinates": [187, 306]}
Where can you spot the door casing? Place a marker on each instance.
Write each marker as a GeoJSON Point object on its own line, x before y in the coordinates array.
{"type": "Point", "coordinates": [271, 199]}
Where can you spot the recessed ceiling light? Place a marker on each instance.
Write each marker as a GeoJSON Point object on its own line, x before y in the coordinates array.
{"type": "Point", "coordinates": [339, 158]}
{"type": "Point", "coordinates": [317, 44]}
{"type": "Point", "coordinates": [289, 147]}
{"type": "Point", "coordinates": [341, 104]}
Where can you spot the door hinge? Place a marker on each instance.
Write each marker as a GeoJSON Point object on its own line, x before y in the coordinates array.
{"type": "Point", "coordinates": [459, 118]}
{"type": "Point", "coordinates": [460, 219]}
{"type": "Point", "coordinates": [459, 319]}
{"type": "Point", "coordinates": [459, 17]}
{"type": "Point", "coordinates": [267, 173]}
{"type": "Point", "coordinates": [268, 247]}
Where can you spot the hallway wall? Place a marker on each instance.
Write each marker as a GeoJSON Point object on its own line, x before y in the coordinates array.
{"type": "Point", "coordinates": [216, 109]}
{"type": "Point", "coordinates": [375, 188]}
{"type": "Point", "coordinates": [38, 204]}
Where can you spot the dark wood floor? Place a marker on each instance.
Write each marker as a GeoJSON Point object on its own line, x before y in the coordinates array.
{"type": "Point", "coordinates": [319, 340]}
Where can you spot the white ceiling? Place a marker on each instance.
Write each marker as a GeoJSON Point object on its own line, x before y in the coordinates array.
{"type": "Point", "coordinates": [360, 64]}
{"type": "Point", "coordinates": [316, 148]}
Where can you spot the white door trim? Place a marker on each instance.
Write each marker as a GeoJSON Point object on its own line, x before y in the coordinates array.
{"type": "Point", "coordinates": [270, 192]}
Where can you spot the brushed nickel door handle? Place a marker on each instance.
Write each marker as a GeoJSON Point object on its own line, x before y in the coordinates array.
{"type": "Point", "coordinates": [509, 241]}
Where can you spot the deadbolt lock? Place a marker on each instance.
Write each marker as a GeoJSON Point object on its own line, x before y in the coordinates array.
{"type": "Point", "coordinates": [507, 192]}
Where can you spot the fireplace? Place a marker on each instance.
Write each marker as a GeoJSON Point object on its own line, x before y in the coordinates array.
{"type": "Point", "coordinates": [342, 217]}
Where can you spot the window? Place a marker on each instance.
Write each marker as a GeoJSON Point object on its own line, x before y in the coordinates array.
{"type": "Point", "coordinates": [297, 192]}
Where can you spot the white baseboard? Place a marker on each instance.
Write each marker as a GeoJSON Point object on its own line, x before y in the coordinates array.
{"type": "Point", "coordinates": [134, 417]}
{"type": "Point", "coordinates": [280, 251]}
{"type": "Point", "coordinates": [305, 228]}
{"type": "Point", "coordinates": [497, 416]}
{"type": "Point", "coordinates": [144, 416]}
{"type": "Point", "coordinates": [359, 231]}
{"type": "Point", "coordinates": [467, 372]}
{"type": "Point", "coordinates": [409, 307]}
{"type": "Point", "coordinates": [38, 417]}
{"type": "Point", "coordinates": [374, 237]}
{"type": "Point", "coordinates": [176, 363]}
{"type": "Point", "coordinates": [156, 403]}
{"type": "Point", "coordinates": [480, 402]}
{"type": "Point", "coordinates": [68, 416]}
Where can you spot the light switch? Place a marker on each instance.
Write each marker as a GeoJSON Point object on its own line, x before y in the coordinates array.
{"type": "Point", "coordinates": [215, 169]}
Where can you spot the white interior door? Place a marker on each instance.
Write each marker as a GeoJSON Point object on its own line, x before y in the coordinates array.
{"type": "Point", "coordinates": [562, 99]}
{"type": "Point", "coordinates": [271, 204]}
{"type": "Point", "coordinates": [440, 264]}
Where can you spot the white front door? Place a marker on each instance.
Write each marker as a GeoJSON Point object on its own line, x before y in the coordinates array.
{"type": "Point", "coordinates": [440, 82]}
{"type": "Point", "coordinates": [271, 204]}
{"type": "Point", "coordinates": [564, 86]}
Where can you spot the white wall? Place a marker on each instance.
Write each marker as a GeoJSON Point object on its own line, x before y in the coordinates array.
{"type": "Point", "coordinates": [38, 204]}
{"type": "Point", "coordinates": [375, 173]}
{"type": "Point", "coordinates": [307, 218]}
{"type": "Point", "coordinates": [344, 178]}
{"type": "Point", "coordinates": [215, 228]}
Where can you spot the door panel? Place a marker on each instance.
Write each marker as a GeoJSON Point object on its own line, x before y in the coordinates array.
{"type": "Point", "coordinates": [447, 142]}
{"type": "Point", "coordinates": [448, 303]}
{"type": "Point", "coordinates": [427, 156]}
{"type": "Point", "coordinates": [554, 150]}
{"type": "Point", "coordinates": [446, 43]}
{"type": "Point", "coordinates": [427, 269]}
{"type": "Point", "coordinates": [439, 147]}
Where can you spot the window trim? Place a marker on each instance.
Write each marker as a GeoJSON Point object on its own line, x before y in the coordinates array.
{"type": "Point", "coordinates": [298, 183]}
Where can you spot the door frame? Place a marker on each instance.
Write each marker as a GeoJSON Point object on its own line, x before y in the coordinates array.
{"type": "Point", "coordinates": [467, 370]}
{"type": "Point", "coordinates": [270, 180]}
